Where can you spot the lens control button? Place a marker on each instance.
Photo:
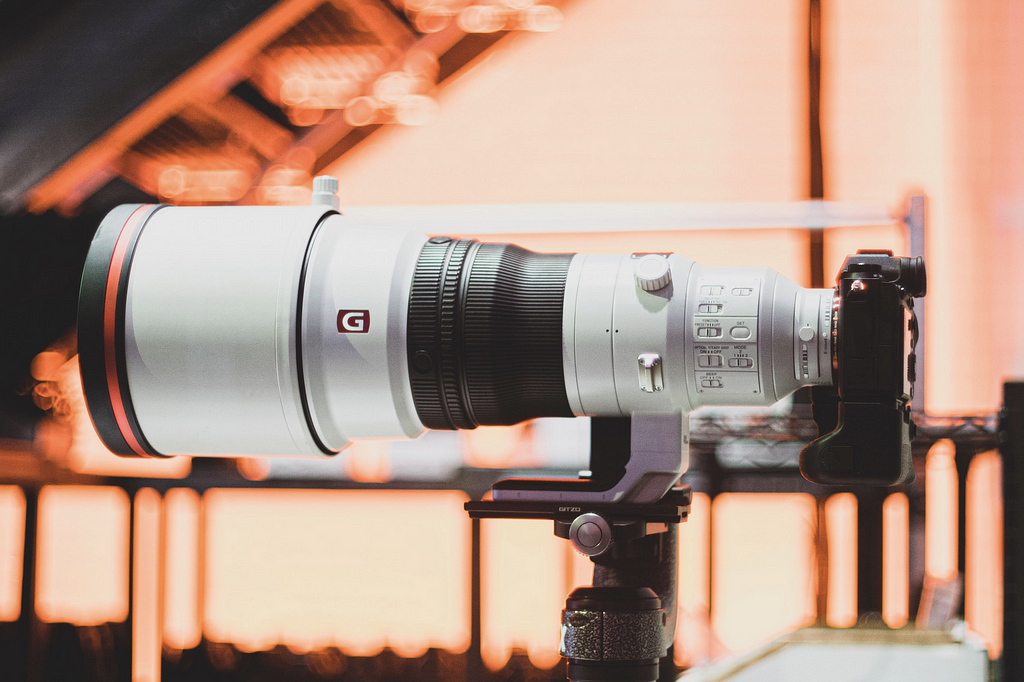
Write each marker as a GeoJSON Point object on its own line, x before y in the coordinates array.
{"type": "Point", "coordinates": [652, 272]}
{"type": "Point", "coordinates": [741, 362]}
{"type": "Point", "coordinates": [710, 332]}
{"type": "Point", "coordinates": [709, 308]}
{"type": "Point", "coordinates": [740, 332]}
{"type": "Point", "coordinates": [711, 383]}
{"type": "Point", "coordinates": [709, 361]}
{"type": "Point", "coordinates": [421, 362]}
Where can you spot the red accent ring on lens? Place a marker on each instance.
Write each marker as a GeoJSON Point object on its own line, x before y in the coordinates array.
{"type": "Point", "coordinates": [117, 263]}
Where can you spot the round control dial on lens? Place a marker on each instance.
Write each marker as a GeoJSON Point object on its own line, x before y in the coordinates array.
{"type": "Point", "coordinates": [652, 272]}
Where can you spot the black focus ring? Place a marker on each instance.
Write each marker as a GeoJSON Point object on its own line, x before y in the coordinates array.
{"type": "Point", "coordinates": [432, 334]}
{"type": "Point", "coordinates": [450, 336]}
{"type": "Point", "coordinates": [485, 334]}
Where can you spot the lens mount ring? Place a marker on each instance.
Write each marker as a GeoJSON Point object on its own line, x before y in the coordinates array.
{"type": "Point", "coordinates": [837, 307]}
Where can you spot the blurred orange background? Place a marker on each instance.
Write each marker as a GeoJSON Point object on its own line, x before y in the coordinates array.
{"type": "Point", "coordinates": [601, 101]}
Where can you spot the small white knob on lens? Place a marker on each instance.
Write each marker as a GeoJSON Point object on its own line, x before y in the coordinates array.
{"type": "Point", "coordinates": [652, 272]}
{"type": "Point", "coordinates": [325, 191]}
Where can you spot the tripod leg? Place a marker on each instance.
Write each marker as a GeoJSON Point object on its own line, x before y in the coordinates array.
{"type": "Point", "coordinates": [652, 562]}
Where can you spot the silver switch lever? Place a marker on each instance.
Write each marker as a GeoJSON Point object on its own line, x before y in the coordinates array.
{"type": "Point", "coordinates": [649, 370]}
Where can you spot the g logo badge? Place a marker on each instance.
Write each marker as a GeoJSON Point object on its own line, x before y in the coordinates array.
{"type": "Point", "coordinates": [353, 321]}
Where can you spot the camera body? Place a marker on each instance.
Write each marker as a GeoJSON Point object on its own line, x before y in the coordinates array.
{"type": "Point", "coordinates": [864, 420]}
{"type": "Point", "coordinates": [293, 331]}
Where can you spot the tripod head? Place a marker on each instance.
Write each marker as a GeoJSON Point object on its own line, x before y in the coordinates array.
{"type": "Point", "coordinates": [622, 626]}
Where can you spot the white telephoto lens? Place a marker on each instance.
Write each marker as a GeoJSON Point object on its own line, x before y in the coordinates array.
{"type": "Point", "coordinates": [292, 331]}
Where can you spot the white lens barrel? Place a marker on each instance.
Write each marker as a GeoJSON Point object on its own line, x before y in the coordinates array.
{"type": "Point", "coordinates": [291, 331]}
{"type": "Point", "coordinates": [355, 320]}
{"type": "Point", "coordinates": [699, 336]}
{"type": "Point", "coordinates": [213, 337]}
{"type": "Point", "coordinates": [209, 340]}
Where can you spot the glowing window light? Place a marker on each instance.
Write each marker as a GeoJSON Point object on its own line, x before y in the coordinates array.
{"type": "Point", "coordinates": [509, 15]}
{"type": "Point", "coordinates": [191, 170]}
{"type": "Point", "coordinates": [694, 643]}
{"type": "Point", "coordinates": [369, 461]}
{"type": "Point", "coordinates": [896, 560]}
{"type": "Point", "coordinates": [318, 76]}
{"type": "Point", "coordinates": [391, 87]}
{"type": "Point", "coordinates": [285, 186]}
{"type": "Point", "coordinates": [763, 566]}
{"type": "Point", "coordinates": [283, 195]}
{"type": "Point", "coordinates": [182, 619]}
{"type": "Point", "coordinates": [82, 555]}
{"type": "Point", "coordinates": [146, 639]}
{"type": "Point", "coordinates": [483, 19]}
{"type": "Point", "coordinates": [941, 525]}
{"type": "Point", "coordinates": [12, 545]}
{"type": "Point", "coordinates": [983, 579]}
{"type": "Point", "coordinates": [415, 110]}
{"type": "Point", "coordinates": [433, 19]}
{"type": "Point", "coordinates": [359, 570]}
{"type": "Point", "coordinates": [540, 19]}
{"type": "Point", "coordinates": [494, 446]}
{"type": "Point", "coordinates": [522, 590]}
{"type": "Point", "coordinates": [580, 569]}
{"type": "Point", "coordinates": [398, 97]}
{"type": "Point", "coordinates": [180, 183]}
{"type": "Point", "coordinates": [841, 522]}
{"type": "Point", "coordinates": [361, 111]}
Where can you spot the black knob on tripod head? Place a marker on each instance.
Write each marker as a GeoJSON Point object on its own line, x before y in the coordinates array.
{"type": "Point", "coordinates": [613, 634]}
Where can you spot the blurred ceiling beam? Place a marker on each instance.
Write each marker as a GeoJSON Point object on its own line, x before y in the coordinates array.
{"type": "Point", "coordinates": [280, 94]}
{"type": "Point", "coordinates": [212, 76]}
{"type": "Point", "coordinates": [332, 131]}
{"type": "Point", "coordinates": [266, 137]}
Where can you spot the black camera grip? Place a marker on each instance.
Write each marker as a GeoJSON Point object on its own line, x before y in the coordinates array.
{"type": "Point", "coordinates": [870, 446]}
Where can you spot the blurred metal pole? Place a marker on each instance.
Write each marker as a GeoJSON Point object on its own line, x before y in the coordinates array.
{"type": "Point", "coordinates": [30, 630]}
{"type": "Point", "coordinates": [126, 663]}
{"type": "Point", "coordinates": [1012, 450]}
{"type": "Point", "coordinates": [816, 176]}
{"type": "Point", "coordinates": [474, 659]}
{"type": "Point", "coordinates": [869, 549]}
{"type": "Point", "coordinates": [962, 458]}
{"type": "Point", "coordinates": [915, 220]}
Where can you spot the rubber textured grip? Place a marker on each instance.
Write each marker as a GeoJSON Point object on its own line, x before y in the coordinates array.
{"type": "Point", "coordinates": [485, 334]}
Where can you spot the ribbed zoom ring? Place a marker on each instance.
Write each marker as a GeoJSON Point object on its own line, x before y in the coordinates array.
{"type": "Point", "coordinates": [485, 334]}
{"type": "Point", "coordinates": [433, 334]}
